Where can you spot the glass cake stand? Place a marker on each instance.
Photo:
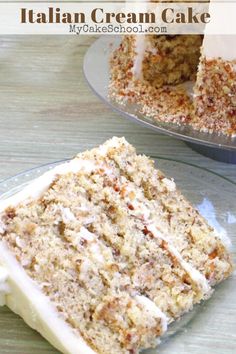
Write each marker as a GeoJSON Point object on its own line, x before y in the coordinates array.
{"type": "Point", "coordinates": [96, 70]}
{"type": "Point", "coordinates": [211, 326]}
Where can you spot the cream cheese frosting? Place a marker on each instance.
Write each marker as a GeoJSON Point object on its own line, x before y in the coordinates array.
{"type": "Point", "coordinates": [219, 46]}
{"type": "Point", "coordinates": [140, 49]}
{"type": "Point", "coordinates": [153, 309]}
{"type": "Point", "coordinates": [4, 287]}
{"type": "Point", "coordinates": [193, 272]}
{"type": "Point", "coordinates": [26, 299]}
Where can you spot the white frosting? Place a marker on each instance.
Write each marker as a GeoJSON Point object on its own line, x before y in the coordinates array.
{"type": "Point", "coordinates": [219, 46]}
{"type": "Point", "coordinates": [142, 45]}
{"type": "Point", "coordinates": [140, 210]}
{"type": "Point", "coordinates": [193, 272]}
{"type": "Point", "coordinates": [140, 48]}
{"type": "Point", "coordinates": [35, 308]}
{"type": "Point", "coordinates": [35, 189]}
{"type": "Point", "coordinates": [4, 288]}
{"type": "Point", "coordinates": [151, 307]}
{"type": "Point", "coordinates": [3, 274]}
{"type": "Point", "coordinates": [2, 227]}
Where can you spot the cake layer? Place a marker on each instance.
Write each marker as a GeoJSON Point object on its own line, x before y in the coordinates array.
{"type": "Point", "coordinates": [112, 246]}
{"type": "Point", "coordinates": [215, 96]}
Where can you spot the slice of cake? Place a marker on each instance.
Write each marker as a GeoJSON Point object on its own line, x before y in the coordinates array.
{"type": "Point", "coordinates": [101, 253]}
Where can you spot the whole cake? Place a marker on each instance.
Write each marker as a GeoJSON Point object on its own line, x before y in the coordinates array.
{"type": "Point", "coordinates": [150, 70]}
{"type": "Point", "coordinates": [101, 253]}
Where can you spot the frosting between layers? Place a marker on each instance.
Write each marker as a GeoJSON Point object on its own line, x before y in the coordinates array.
{"type": "Point", "coordinates": [153, 309]}
{"type": "Point", "coordinates": [170, 184]}
{"type": "Point", "coordinates": [193, 272]}
{"type": "Point", "coordinates": [140, 48]}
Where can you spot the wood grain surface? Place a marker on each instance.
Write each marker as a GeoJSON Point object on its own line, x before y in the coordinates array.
{"type": "Point", "coordinates": [48, 113]}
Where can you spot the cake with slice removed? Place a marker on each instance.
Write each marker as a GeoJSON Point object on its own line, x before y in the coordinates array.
{"type": "Point", "coordinates": [101, 253]}
{"type": "Point", "coordinates": [155, 72]}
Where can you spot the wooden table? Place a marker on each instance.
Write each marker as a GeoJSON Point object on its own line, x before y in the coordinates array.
{"type": "Point", "coordinates": [48, 113]}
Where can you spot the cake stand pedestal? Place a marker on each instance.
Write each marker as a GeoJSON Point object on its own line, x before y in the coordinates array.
{"type": "Point", "coordinates": [217, 154]}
